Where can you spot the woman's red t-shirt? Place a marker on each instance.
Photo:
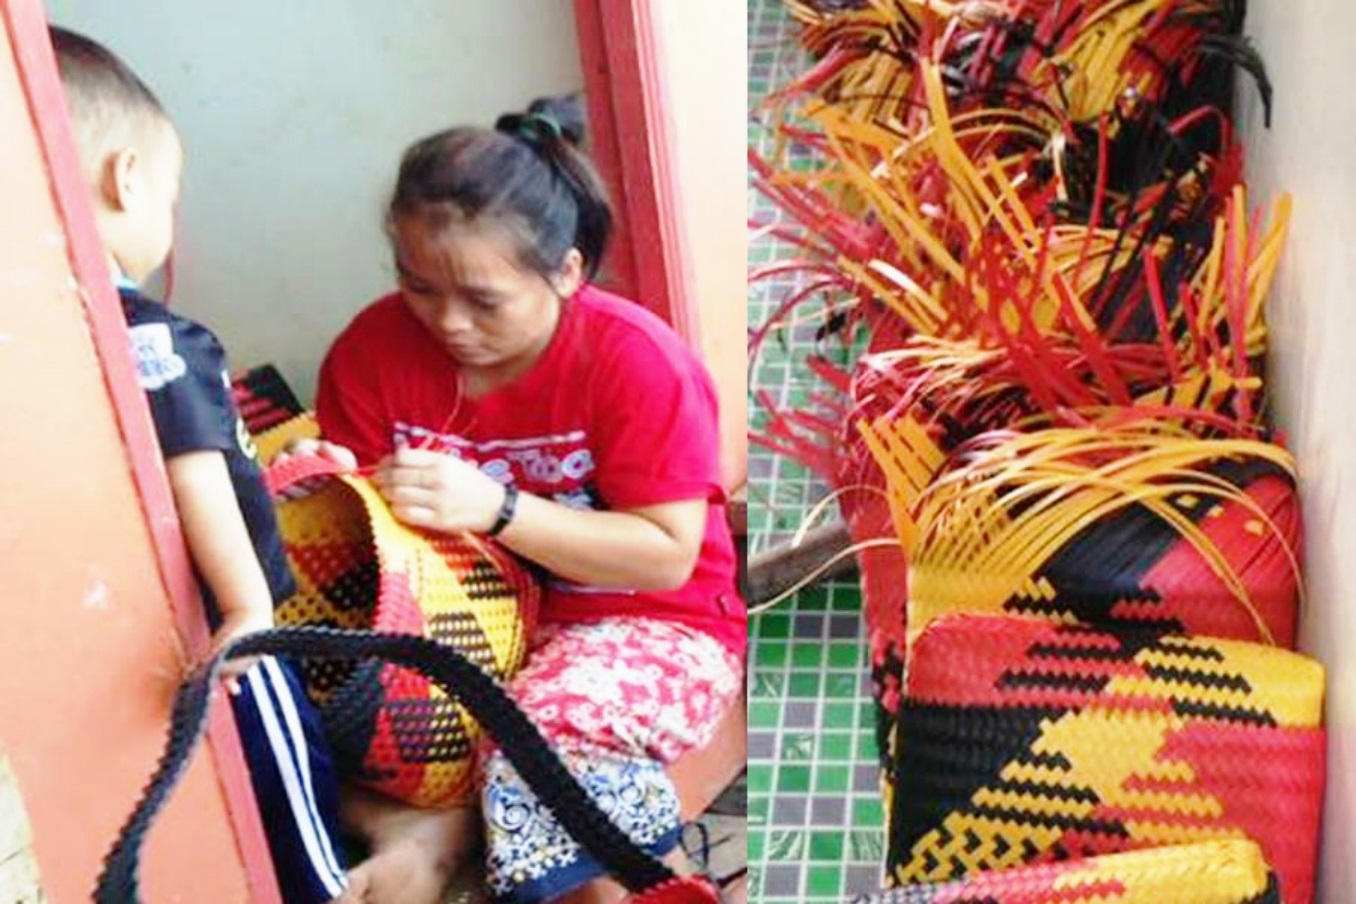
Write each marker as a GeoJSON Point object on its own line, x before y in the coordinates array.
{"type": "Point", "coordinates": [617, 413]}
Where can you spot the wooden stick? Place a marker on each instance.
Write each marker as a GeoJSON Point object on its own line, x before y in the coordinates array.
{"type": "Point", "coordinates": [779, 568]}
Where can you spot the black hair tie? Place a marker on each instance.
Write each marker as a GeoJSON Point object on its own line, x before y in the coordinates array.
{"type": "Point", "coordinates": [534, 128]}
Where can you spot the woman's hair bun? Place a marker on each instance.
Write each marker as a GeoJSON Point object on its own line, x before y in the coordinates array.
{"type": "Point", "coordinates": [567, 112]}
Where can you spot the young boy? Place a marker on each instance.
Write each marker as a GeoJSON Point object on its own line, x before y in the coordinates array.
{"type": "Point", "coordinates": [132, 160]}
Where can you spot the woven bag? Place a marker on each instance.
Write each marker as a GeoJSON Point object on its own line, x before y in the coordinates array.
{"type": "Point", "coordinates": [357, 567]}
{"type": "Point", "coordinates": [648, 880]}
{"type": "Point", "coordinates": [1137, 527]}
{"type": "Point", "coordinates": [1021, 741]}
{"type": "Point", "coordinates": [925, 426]}
{"type": "Point", "coordinates": [1216, 872]}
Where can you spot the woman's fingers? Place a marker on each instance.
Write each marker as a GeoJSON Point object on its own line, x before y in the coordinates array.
{"type": "Point", "coordinates": [397, 476]}
{"type": "Point", "coordinates": [407, 457]}
{"type": "Point", "coordinates": [418, 515]}
{"type": "Point", "coordinates": [340, 455]}
{"type": "Point", "coordinates": [432, 489]}
{"type": "Point", "coordinates": [410, 494]}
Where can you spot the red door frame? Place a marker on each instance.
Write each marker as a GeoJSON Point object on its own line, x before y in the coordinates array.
{"type": "Point", "coordinates": [27, 26]}
{"type": "Point", "coordinates": [622, 56]}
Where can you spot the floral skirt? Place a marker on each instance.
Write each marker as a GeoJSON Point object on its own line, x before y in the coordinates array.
{"type": "Point", "coordinates": [618, 699]}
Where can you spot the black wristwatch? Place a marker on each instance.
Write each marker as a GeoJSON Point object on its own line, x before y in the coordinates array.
{"type": "Point", "coordinates": [505, 511]}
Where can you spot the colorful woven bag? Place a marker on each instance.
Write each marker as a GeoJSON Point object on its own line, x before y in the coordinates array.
{"type": "Point", "coordinates": [1217, 872]}
{"type": "Point", "coordinates": [1142, 525]}
{"type": "Point", "coordinates": [648, 879]}
{"type": "Point", "coordinates": [1021, 741]}
{"type": "Point", "coordinates": [357, 567]}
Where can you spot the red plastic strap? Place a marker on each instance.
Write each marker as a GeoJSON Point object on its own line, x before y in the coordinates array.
{"type": "Point", "coordinates": [297, 469]}
{"type": "Point", "coordinates": [680, 890]}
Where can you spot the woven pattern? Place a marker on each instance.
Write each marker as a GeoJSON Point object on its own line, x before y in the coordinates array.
{"type": "Point", "coordinates": [1036, 212]}
{"type": "Point", "coordinates": [1131, 527]}
{"type": "Point", "coordinates": [1223, 872]}
{"type": "Point", "coordinates": [357, 567]}
{"type": "Point", "coordinates": [1022, 741]}
{"type": "Point", "coordinates": [651, 881]}
{"type": "Point", "coordinates": [271, 412]}
{"type": "Point", "coordinates": [264, 398]}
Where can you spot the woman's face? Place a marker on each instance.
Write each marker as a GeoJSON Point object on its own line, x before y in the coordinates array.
{"type": "Point", "coordinates": [465, 284]}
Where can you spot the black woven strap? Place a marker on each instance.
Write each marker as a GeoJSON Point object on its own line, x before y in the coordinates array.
{"type": "Point", "coordinates": [521, 742]}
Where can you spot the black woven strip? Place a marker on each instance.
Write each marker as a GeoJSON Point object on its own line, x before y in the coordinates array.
{"type": "Point", "coordinates": [1108, 827]}
{"type": "Point", "coordinates": [1047, 791]}
{"type": "Point", "coordinates": [945, 755]}
{"type": "Point", "coordinates": [1272, 895]}
{"type": "Point", "coordinates": [1047, 760]}
{"type": "Point", "coordinates": [521, 742]}
{"type": "Point", "coordinates": [1088, 653]}
{"type": "Point", "coordinates": [1182, 646]}
{"type": "Point", "coordinates": [1085, 684]}
{"type": "Point", "coordinates": [1223, 713]}
{"type": "Point", "coordinates": [1199, 679]}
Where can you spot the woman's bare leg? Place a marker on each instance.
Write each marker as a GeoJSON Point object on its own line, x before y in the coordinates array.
{"type": "Point", "coordinates": [414, 852]}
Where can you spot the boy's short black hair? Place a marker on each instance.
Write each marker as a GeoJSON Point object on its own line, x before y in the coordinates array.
{"type": "Point", "coordinates": [108, 103]}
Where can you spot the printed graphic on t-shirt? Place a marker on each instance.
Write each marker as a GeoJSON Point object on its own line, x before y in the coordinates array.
{"type": "Point", "coordinates": [158, 364]}
{"type": "Point", "coordinates": [559, 467]}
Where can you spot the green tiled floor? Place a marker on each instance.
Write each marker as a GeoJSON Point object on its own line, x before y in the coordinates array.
{"type": "Point", "coordinates": [814, 803]}
{"type": "Point", "coordinates": [814, 810]}
{"type": "Point", "coordinates": [780, 490]}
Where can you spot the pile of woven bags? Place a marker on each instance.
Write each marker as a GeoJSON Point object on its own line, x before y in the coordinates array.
{"type": "Point", "coordinates": [1030, 216]}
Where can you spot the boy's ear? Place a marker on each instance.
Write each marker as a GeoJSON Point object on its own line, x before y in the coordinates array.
{"type": "Point", "coordinates": [118, 181]}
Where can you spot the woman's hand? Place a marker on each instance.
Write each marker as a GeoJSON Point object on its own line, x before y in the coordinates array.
{"type": "Point", "coordinates": [315, 448]}
{"type": "Point", "coordinates": [438, 491]}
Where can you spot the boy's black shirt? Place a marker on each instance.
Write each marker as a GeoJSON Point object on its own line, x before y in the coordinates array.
{"type": "Point", "coordinates": [182, 368]}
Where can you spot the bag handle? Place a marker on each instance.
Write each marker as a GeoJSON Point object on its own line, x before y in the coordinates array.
{"type": "Point", "coordinates": [521, 741]}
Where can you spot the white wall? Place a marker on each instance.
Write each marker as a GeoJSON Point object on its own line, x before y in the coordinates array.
{"type": "Point", "coordinates": [704, 53]}
{"type": "Point", "coordinates": [1310, 152]}
{"type": "Point", "coordinates": [294, 116]}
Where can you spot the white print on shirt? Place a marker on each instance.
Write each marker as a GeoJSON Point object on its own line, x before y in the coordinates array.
{"type": "Point", "coordinates": [158, 364]}
{"type": "Point", "coordinates": [580, 499]}
{"type": "Point", "coordinates": [537, 463]}
{"type": "Point", "coordinates": [556, 466]}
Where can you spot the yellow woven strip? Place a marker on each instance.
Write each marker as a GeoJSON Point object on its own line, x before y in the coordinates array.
{"type": "Point", "coordinates": [970, 552]}
{"type": "Point", "coordinates": [1211, 872]}
{"type": "Point", "coordinates": [272, 441]}
{"type": "Point", "coordinates": [1186, 804]}
{"type": "Point", "coordinates": [946, 845]}
{"type": "Point", "coordinates": [1148, 833]}
{"type": "Point", "coordinates": [1286, 685]}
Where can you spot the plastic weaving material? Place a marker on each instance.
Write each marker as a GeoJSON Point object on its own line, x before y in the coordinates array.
{"type": "Point", "coordinates": [1021, 741]}
{"type": "Point", "coordinates": [1140, 526]}
{"type": "Point", "coordinates": [264, 398]}
{"type": "Point", "coordinates": [357, 567]}
{"type": "Point", "coordinates": [649, 880]}
{"type": "Point", "coordinates": [1222, 872]}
